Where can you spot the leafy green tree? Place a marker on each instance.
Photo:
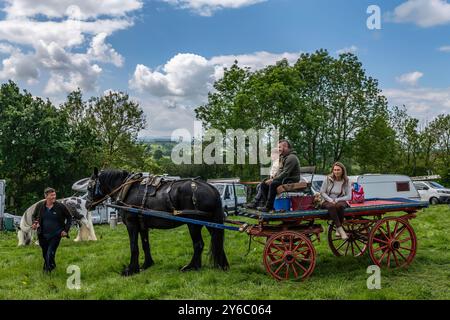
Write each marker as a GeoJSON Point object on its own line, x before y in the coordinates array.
{"type": "Point", "coordinates": [85, 148]}
{"type": "Point", "coordinates": [34, 144]}
{"type": "Point", "coordinates": [441, 128]}
{"type": "Point", "coordinates": [375, 146]}
{"type": "Point", "coordinates": [117, 121]}
{"type": "Point", "coordinates": [320, 103]}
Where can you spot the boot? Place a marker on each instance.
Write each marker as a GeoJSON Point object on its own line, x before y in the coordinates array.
{"type": "Point", "coordinates": [251, 205]}
{"type": "Point", "coordinates": [341, 231]}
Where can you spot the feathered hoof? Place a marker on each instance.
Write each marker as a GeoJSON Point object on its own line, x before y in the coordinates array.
{"type": "Point", "coordinates": [225, 267]}
{"type": "Point", "coordinates": [190, 267]}
{"type": "Point", "coordinates": [147, 265]}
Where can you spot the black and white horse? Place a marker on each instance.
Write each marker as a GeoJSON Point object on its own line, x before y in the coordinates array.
{"type": "Point", "coordinates": [198, 199]}
{"type": "Point", "coordinates": [77, 208]}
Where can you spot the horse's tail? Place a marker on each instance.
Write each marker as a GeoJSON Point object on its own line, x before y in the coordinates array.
{"type": "Point", "coordinates": [219, 259]}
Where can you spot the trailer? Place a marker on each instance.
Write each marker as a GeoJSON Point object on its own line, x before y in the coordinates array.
{"type": "Point", "coordinates": [288, 237]}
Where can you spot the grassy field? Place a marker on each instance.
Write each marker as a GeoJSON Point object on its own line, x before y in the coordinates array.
{"type": "Point", "coordinates": [334, 278]}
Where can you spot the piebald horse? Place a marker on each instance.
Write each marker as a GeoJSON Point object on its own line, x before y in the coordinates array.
{"type": "Point", "coordinates": [76, 207]}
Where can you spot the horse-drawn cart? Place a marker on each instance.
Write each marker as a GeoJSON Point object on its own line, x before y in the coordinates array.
{"type": "Point", "coordinates": [288, 237]}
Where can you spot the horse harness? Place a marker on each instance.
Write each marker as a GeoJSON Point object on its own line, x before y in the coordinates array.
{"type": "Point", "coordinates": [151, 185]}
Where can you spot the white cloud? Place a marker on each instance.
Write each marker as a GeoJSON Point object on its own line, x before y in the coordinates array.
{"type": "Point", "coordinates": [165, 117]}
{"type": "Point", "coordinates": [208, 7]}
{"type": "Point", "coordinates": [81, 9]}
{"type": "Point", "coordinates": [19, 66]}
{"type": "Point", "coordinates": [185, 75]}
{"type": "Point", "coordinates": [104, 52]}
{"type": "Point", "coordinates": [351, 49]}
{"type": "Point", "coordinates": [6, 48]}
{"type": "Point", "coordinates": [422, 103]}
{"type": "Point", "coordinates": [51, 30]}
{"type": "Point", "coordinates": [257, 60]}
{"type": "Point", "coordinates": [424, 13]}
{"type": "Point", "coordinates": [410, 79]}
{"type": "Point", "coordinates": [187, 78]}
{"type": "Point", "coordinates": [444, 49]}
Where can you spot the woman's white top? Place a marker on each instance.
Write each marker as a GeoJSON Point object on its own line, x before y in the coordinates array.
{"type": "Point", "coordinates": [333, 190]}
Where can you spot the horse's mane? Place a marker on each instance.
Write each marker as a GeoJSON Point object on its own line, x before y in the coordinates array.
{"type": "Point", "coordinates": [107, 176]}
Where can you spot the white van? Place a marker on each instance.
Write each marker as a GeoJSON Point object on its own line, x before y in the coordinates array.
{"type": "Point", "coordinates": [227, 190]}
{"type": "Point", "coordinates": [384, 186]}
{"type": "Point", "coordinates": [432, 192]}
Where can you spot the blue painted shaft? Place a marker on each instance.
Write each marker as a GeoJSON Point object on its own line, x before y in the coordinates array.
{"type": "Point", "coordinates": [165, 215]}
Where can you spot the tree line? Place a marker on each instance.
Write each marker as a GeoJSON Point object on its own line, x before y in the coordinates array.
{"type": "Point", "coordinates": [331, 110]}
{"type": "Point", "coordinates": [328, 107]}
{"type": "Point", "coordinates": [44, 145]}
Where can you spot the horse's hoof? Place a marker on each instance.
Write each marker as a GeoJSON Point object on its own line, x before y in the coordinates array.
{"type": "Point", "coordinates": [127, 272]}
{"type": "Point", "coordinates": [190, 267]}
{"type": "Point", "coordinates": [145, 266]}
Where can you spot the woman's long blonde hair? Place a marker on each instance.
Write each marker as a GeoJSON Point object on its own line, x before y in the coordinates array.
{"type": "Point", "coordinates": [344, 172]}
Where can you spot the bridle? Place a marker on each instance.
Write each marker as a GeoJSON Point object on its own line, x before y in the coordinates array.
{"type": "Point", "coordinates": [100, 193]}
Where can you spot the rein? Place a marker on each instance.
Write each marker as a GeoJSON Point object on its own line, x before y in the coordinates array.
{"type": "Point", "coordinates": [113, 192]}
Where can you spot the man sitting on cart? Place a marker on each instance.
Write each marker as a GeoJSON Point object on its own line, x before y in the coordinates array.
{"type": "Point", "coordinates": [288, 172]}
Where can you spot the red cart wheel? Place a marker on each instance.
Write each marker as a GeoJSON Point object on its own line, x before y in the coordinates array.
{"type": "Point", "coordinates": [289, 255]}
{"type": "Point", "coordinates": [355, 245]}
{"type": "Point", "coordinates": [392, 243]}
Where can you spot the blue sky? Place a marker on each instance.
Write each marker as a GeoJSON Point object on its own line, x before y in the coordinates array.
{"type": "Point", "coordinates": [167, 53]}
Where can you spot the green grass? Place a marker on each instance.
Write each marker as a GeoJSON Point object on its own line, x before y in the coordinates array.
{"type": "Point", "coordinates": [334, 278]}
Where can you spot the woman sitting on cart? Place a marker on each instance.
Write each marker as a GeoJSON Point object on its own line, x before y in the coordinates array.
{"type": "Point", "coordinates": [336, 190]}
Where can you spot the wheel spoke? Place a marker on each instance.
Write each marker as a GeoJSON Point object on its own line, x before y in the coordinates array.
{"type": "Point", "coordinates": [395, 258]}
{"type": "Point", "coordinates": [383, 232]}
{"type": "Point", "coordinates": [382, 257]}
{"type": "Point", "coordinates": [297, 263]}
{"type": "Point", "coordinates": [356, 244]}
{"type": "Point", "coordinates": [287, 271]}
{"type": "Point", "coordinates": [353, 249]}
{"type": "Point", "coordinates": [300, 252]}
{"type": "Point", "coordinates": [380, 248]}
{"type": "Point", "coordinates": [294, 269]}
{"type": "Point", "coordinates": [275, 254]}
{"type": "Point", "coordinates": [388, 229]}
{"type": "Point", "coordinates": [346, 249]}
{"type": "Point", "coordinates": [409, 249]}
{"type": "Point", "coordinates": [276, 261]}
{"type": "Point", "coordinates": [300, 244]}
{"type": "Point", "coordinates": [402, 229]}
{"type": "Point", "coordinates": [404, 240]}
{"type": "Point", "coordinates": [379, 240]}
{"type": "Point", "coordinates": [279, 268]}
{"type": "Point", "coordinates": [277, 247]}
{"type": "Point", "coordinates": [342, 244]}
{"type": "Point", "coordinates": [395, 228]}
{"type": "Point", "coordinates": [401, 255]}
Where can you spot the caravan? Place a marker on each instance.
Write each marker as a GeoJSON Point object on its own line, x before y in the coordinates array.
{"type": "Point", "coordinates": [385, 186]}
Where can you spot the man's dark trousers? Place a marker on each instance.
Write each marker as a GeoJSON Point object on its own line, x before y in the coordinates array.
{"type": "Point", "coordinates": [49, 247]}
{"type": "Point", "coordinates": [270, 192]}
